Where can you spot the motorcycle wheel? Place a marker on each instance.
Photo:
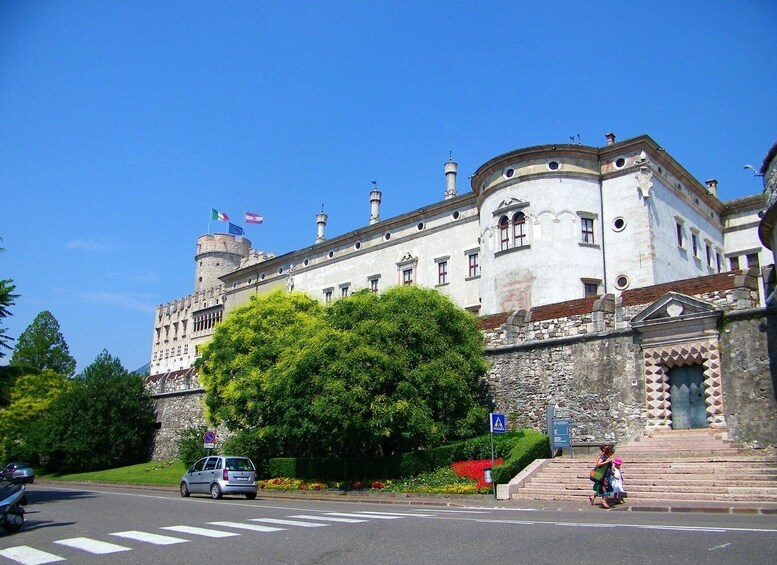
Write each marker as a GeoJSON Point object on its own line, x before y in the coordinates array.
{"type": "Point", "coordinates": [13, 523]}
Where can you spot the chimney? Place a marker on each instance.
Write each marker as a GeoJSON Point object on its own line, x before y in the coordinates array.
{"type": "Point", "coordinates": [375, 205]}
{"type": "Point", "coordinates": [610, 138]}
{"type": "Point", "coordinates": [321, 221]}
{"type": "Point", "coordinates": [450, 179]}
{"type": "Point", "coordinates": [712, 186]}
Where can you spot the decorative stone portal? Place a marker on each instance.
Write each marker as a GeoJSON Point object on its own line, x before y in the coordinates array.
{"type": "Point", "coordinates": [658, 361]}
{"type": "Point", "coordinates": [680, 331]}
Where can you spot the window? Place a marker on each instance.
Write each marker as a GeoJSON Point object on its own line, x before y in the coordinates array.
{"type": "Point", "coordinates": [519, 229]}
{"type": "Point", "coordinates": [344, 290]}
{"type": "Point", "coordinates": [709, 254]}
{"type": "Point", "coordinates": [680, 242]}
{"type": "Point", "coordinates": [717, 259]}
{"type": "Point", "coordinates": [504, 233]}
{"type": "Point", "coordinates": [328, 296]}
{"type": "Point", "coordinates": [695, 244]}
{"type": "Point", "coordinates": [752, 261]}
{"type": "Point", "coordinates": [407, 276]}
{"type": "Point", "coordinates": [474, 267]}
{"type": "Point", "coordinates": [734, 262]}
{"type": "Point", "coordinates": [442, 272]}
{"type": "Point", "coordinates": [590, 289]}
{"type": "Point", "coordinates": [587, 230]}
{"type": "Point", "coordinates": [374, 285]}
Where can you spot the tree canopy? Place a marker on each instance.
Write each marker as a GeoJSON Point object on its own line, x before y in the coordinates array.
{"type": "Point", "coordinates": [373, 374]}
{"type": "Point", "coordinates": [42, 346]}
{"type": "Point", "coordinates": [29, 402]}
{"type": "Point", "coordinates": [103, 419]}
{"type": "Point", "coordinates": [7, 299]}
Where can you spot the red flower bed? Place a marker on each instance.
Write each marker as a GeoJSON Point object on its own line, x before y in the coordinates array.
{"type": "Point", "coordinates": [474, 469]}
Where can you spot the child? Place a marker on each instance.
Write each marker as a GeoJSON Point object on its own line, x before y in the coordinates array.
{"type": "Point", "coordinates": [616, 481]}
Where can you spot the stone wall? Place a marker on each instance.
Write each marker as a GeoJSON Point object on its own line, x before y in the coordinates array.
{"type": "Point", "coordinates": [749, 365]}
{"type": "Point", "coordinates": [174, 413]}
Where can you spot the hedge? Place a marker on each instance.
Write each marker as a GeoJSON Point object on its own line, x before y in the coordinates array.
{"type": "Point", "coordinates": [517, 449]}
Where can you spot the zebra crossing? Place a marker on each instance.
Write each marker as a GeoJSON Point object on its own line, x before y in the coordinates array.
{"type": "Point", "coordinates": [27, 555]}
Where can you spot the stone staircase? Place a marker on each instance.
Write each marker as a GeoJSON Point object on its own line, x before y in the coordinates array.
{"type": "Point", "coordinates": [682, 465]}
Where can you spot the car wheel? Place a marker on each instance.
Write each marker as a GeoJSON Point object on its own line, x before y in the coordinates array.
{"type": "Point", "coordinates": [250, 495]}
{"type": "Point", "coordinates": [184, 490]}
{"type": "Point", "coordinates": [215, 491]}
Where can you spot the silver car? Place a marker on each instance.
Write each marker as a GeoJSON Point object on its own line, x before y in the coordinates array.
{"type": "Point", "coordinates": [220, 475]}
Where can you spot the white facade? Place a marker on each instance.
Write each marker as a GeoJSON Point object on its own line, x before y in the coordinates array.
{"type": "Point", "coordinates": [542, 225]}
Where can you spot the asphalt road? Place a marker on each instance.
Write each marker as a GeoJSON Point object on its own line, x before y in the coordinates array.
{"type": "Point", "coordinates": [104, 525]}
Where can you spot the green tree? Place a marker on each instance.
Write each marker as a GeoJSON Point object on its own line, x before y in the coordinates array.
{"type": "Point", "coordinates": [7, 299]}
{"type": "Point", "coordinates": [373, 374]}
{"type": "Point", "coordinates": [30, 399]}
{"type": "Point", "coordinates": [103, 419]}
{"type": "Point", "coordinates": [42, 346]}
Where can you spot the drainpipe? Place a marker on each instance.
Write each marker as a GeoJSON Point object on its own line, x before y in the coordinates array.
{"type": "Point", "coordinates": [601, 211]}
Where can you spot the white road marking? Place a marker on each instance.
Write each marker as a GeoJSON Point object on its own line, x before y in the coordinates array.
{"type": "Point", "coordinates": [637, 526]}
{"type": "Point", "coordinates": [328, 518]}
{"type": "Point", "coordinates": [156, 539]}
{"type": "Point", "coordinates": [376, 516]}
{"type": "Point", "coordinates": [252, 527]}
{"type": "Point", "coordinates": [92, 545]}
{"type": "Point", "coordinates": [402, 514]}
{"type": "Point", "coordinates": [200, 531]}
{"type": "Point", "coordinates": [29, 556]}
{"type": "Point", "coordinates": [289, 522]}
{"type": "Point", "coordinates": [724, 546]}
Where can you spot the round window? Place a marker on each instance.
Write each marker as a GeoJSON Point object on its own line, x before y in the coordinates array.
{"type": "Point", "coordinates": [305, 262]}
{"type": "Point", "coordinates": [455, 215]}
{"type": "Point", "coordinates": [357, 245]}
{"type": "Point", "coordinates": [280, 270]}
{"type": "Point", "coordinates": [620, 162]}
{"type": "Point", "coordinates": [509, 173]}
{"type": "Point", "coordinates": [553, 165]}
{"type": "Point", "coordinates": [621, 282]}
{"type": "Point", "coordinates": [262, 277]}
{"type": "Point", "coordinates": [330, 254]}
{"type": "Point", "coordinates": [420, 226]}
{"type": "Point", "coordinates": [618, 224]}
{"type": "Point", "coordinates": [250, 280]}
{"type": "Point", "coordinates": [387, 236]}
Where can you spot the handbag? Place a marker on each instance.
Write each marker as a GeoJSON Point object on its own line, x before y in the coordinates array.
{"type": "Point", "coordinates": [597, 473]}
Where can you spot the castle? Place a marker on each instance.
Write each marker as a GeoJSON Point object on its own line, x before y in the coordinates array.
{"type": "Point", "coordinates": [599, 256]}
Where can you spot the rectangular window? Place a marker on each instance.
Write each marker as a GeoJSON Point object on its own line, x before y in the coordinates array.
{"type": "Point", "coordinates": [374, 285]}
{"type": "Point", "coordinates": [519, 230]}
{"type": "Point", "coordinates": [474, 267]}
{"type": "Point", "coordinates": [752, 261]}
{"type": "Point", "coordinates": [679, 228]}
{"type": "Point", "coordinates": [442, 272]}
{"type": "Point", "coordinates": [407, 276]}
{"type": "Point", "coordinates": [344, 291]}
{"type": "Point", "coordinates": [328, 296]}
{"type": "Point", "coordinates": [588, 230]}
{"type": "Point", "coordinates": [734, 262]}
{"type": "Point", "coordinates": [717, 259]}
{"type": "Point", "coordinates": [590, 289]}
{"type": "Point", "coordinates": [709, 254]}
{"type": "Point", "coordinates": [695, 244]}
{"type": "Point", "coordinates": [504, 237]}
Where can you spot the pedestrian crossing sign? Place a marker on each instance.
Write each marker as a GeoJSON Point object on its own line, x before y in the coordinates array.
{"type": "Point", "coordinates": [498, 423]}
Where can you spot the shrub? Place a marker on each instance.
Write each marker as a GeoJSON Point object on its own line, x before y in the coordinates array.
{"type": "Point", "coordinates": [190, 447]}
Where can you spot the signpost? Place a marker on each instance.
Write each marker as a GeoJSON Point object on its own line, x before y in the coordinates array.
{"type": "Point", "coordinates": [209, 440]}
{"type": "Point", "coordinates": [497, 424]}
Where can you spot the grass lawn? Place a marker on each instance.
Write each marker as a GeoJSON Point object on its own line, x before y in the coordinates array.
{"type": "Point", "coordinates": [153, 473]}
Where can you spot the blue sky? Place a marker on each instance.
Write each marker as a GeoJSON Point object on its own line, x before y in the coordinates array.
{"type": "Point", "coordinates": [123, 123]}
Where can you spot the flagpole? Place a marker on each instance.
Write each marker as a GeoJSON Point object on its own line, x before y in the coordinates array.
{"type": "Point", "coordinates": [210, 216]}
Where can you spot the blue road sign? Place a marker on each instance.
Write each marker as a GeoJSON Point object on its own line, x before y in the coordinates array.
{"type": "Point", "coordinates": [209, 437]}
{"type": "Point", "coordinates": [498, 423]}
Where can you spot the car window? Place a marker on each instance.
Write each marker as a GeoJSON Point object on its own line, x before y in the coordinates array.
{"type": "Point", "coordinates": [239, 464]}
{"type": "Point", "coordinates": [218, 463]}
{"type": "Point", "coordinates": [199, 465]}
{"type": "Point", "coordinates": [211, 464]}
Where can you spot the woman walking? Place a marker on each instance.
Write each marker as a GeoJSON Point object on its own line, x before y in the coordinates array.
{"type": "Point", "coordinates": [600, 475]}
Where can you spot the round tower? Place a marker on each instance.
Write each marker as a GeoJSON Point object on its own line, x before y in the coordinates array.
{"type": "Point", "coordinates": [217, 255]}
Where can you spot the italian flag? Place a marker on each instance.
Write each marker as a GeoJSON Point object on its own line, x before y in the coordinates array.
{"type": "Point", "coordinates": [216, 215]}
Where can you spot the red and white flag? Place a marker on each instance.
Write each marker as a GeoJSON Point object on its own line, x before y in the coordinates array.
{"type": "Point", "coordinates": [216, 215]}
{"type": "Point", "coordinates": [252, 218]}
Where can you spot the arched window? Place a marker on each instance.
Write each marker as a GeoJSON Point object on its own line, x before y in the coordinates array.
{"type": "Point", "coordinates": [504, 233]}
{"type": "Point", "coordinates": [519, 229]}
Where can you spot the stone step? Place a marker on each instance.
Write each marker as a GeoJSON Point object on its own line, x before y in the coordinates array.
{"type": "Point", "coordinates": [661, 487]}
{"type": "Point", "coordinates": [647, 497]}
